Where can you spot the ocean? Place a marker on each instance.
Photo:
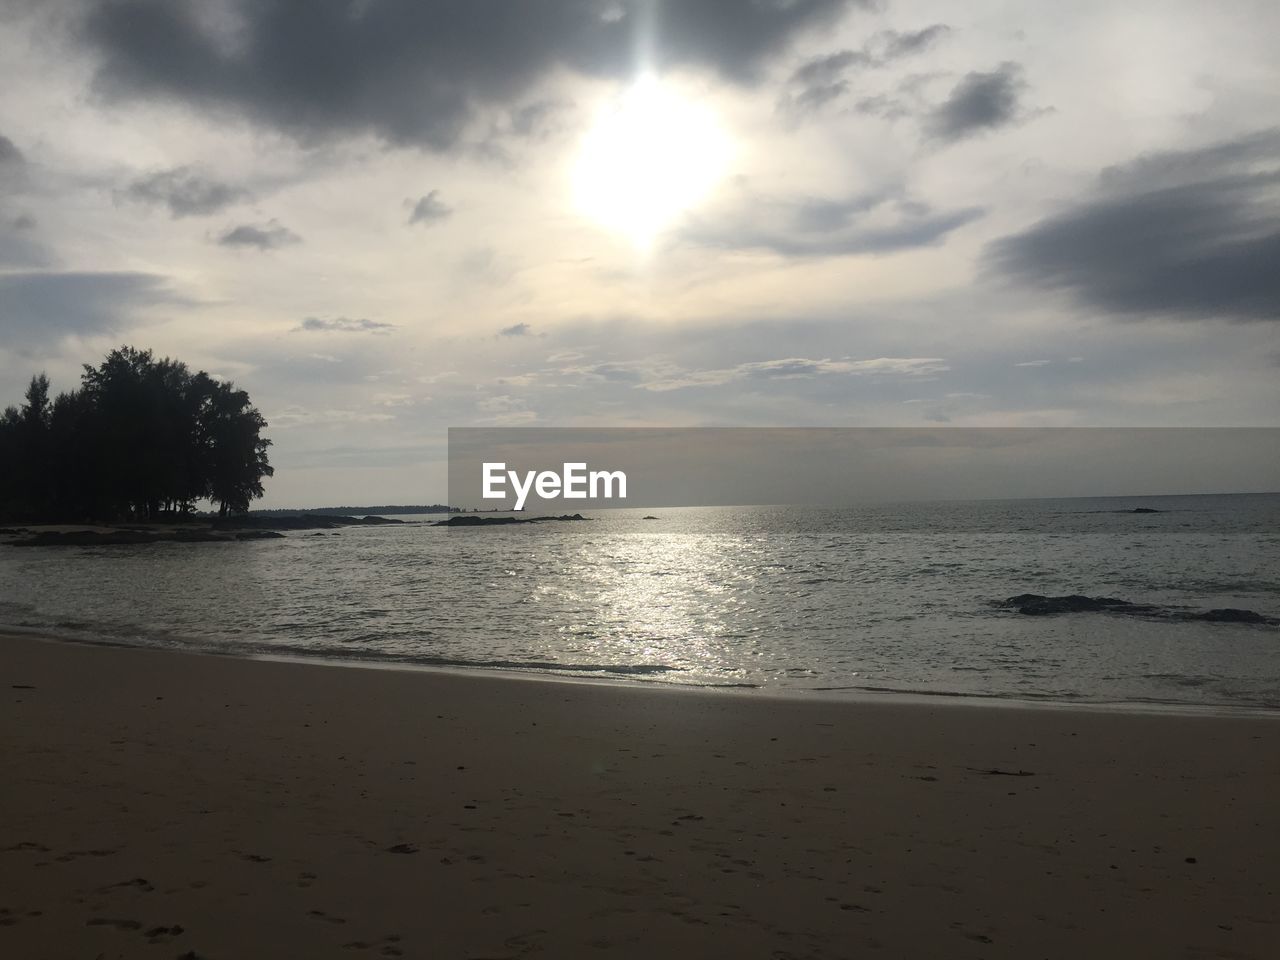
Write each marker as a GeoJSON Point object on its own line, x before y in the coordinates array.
{"type": "Point", "coordinates": [844, 601]}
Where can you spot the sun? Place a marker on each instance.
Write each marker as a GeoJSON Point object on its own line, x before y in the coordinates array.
{"type": "Point", "coordinates": [651, 155]}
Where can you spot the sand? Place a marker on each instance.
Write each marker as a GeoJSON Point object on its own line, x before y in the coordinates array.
{"type": "Point", "coordinates": [159, 804]}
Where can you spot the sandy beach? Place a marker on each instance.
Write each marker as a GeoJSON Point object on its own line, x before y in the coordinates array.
{"type": "Point", "coordinates": [168, 805]}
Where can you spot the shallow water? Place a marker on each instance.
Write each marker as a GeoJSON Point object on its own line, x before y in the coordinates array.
{"type": "Point", "coordinates": [885, 597]}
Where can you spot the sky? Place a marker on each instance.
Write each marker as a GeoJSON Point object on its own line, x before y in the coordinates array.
{"type": "Point", "coordinates": [384, 218]}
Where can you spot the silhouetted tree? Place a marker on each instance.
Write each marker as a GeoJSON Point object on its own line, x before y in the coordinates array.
{"type": "Point", "coordinates": [141, 437]}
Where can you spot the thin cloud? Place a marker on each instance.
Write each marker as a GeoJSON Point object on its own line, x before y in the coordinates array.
{"type": "Point", "coordinates": [184, 192]}
{"type": "Point", "coordinates": [264, 236]}
{"type": "Point", "coordinates": [822, 80]}
{"type": "Point", "coordinates": [660, 376]}
{"type": "Point", "coordinates": [429, 209]}
{"type": "Point", "coordinates": [343, 325]}
{"type": "Point", "coordinates": [880, 222]}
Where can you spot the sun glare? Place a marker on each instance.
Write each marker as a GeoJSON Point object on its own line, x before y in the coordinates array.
{"type": "Point", "coordinates": [651, 155]}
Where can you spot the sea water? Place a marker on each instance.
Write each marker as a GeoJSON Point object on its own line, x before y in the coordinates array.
{"type": "Point", "coordinates": [840, 600]}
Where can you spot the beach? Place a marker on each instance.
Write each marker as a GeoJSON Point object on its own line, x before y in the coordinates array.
{"type": "Point", "coordinates": [169, 804]}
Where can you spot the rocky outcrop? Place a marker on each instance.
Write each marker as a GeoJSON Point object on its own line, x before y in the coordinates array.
{"type": "Point", "coordinates": [475, 520]}
{"type": "Point", "coordinates": [1036, 605]}
{"type": "Point", "coordinates": [1231, 615]}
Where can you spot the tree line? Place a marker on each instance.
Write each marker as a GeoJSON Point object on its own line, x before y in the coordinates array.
{"type": "Point", "coordinates": [140, 439]}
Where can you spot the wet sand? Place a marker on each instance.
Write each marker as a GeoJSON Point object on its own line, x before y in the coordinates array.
{"type": "Point", "coordinates": [167, 805]}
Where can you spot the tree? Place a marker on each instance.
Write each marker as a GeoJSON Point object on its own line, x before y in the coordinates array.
{"type": "Point", "coordinates": [238, 454]}
{"type": "Point", "coordinates": [140, 438]}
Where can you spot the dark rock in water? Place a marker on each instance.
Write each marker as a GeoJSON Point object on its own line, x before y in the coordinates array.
{"type": "Point", "coordinates": [263, 535]}
{"type": "Point", "coordinates": [84, 538]}
{"type": "Point", "coordinates": [1145, 510]}
{"type": "Point", "coordinates": [1035, 605]}
{"type": "Point", "coordinates": [309, 521]}
{"type": "Point", "coordinates": [648, 518]}
{"type": "Point", "coordinates": [1231, 615]}
{"type": "Point", "coordinates": [474, 520]}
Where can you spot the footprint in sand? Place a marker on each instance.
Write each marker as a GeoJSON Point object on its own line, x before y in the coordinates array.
{"type": "Point", "coordinates": [113, 922]}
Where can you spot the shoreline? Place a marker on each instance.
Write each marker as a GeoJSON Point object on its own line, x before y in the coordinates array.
{"type": "Point", "coordinates": [260, 809]}
{"type": "Point", "coordinates": [849, 695]}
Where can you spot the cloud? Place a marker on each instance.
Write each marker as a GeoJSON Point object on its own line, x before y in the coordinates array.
{"type": "Point", "coordinates": [43, 307]}
{"type": "Point", "coordinates": [516, 330]}
{"type": "Point", "coordinates": [873, 223]}
{"type": "Point", "coordinates": [505, 411]}
{"type": "Point", "coordinates": [185, 192]}
{"type": "Point", "coordinates": [10, 155]}
{"type": "Point", "coordinates": [979, 103]}
{"type": "Point", "coordinates": [415, 71]}
{"type": "Point", "coordinates": [343, 325]}
{"type": "Point", "coordinates": [429, 209]}
{"type": "Point", "coordinates": [1186, 234]}
{"type": "Point", "coordinates": [893, 44]}
{"type": "Point", "coordinates": [18, 248]}
{"type": "Point", "coordinates": [660, 376]}
{"type": "Point", "coordinates": [824, 79]}
{"type": "Point", "coordinates": [265, 236]}
{"type": "Point", "coordinates": [819, 81]}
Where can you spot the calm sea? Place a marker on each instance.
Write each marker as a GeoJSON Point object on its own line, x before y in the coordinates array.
{"type": "Point", "coordinates": [793, 599]}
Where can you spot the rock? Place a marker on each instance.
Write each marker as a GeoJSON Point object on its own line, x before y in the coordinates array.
{"type": "Point", "coordinates": [85, 538]}
{"type": "Point", "coordinates": [1232, 615]}
{"type": "Point", "coordinates": [474, 520]}
{"type": "Point", "coordinates": [649, 518]}
{"type": "Point", "coordinates": [262, 535]}
{"type": "Point", "coordinates": [309, 521]}
{"type": "Point", "coordinates": [1145, 510]}
{"type": "Point", "coordinates": [1035, 605]}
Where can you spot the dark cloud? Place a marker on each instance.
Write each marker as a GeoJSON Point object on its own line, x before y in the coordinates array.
{"type": "Point", "coordinates": [516, 330]}
{"type": "Point", "coordinates": [821, 80]}
{"type": "Point", "coordinates": [185, 192]}
{"type": "Point", "coordinates": [416, 71]}
{"type": "Point", "coordinates": [18, 248]}
{"type": "Point", "coordinates": [344, 325]}
{"type": "Point", "coordinates": [429, 209]}
{"type": "Point", "coordinates": [1188, 234]}
{"type": "Point", "coordinates": [874, 223]}
{"type": "Point", "coordinates": [893, 44]}
{"type": "Point", "coordinates": [40, 308]}
{"type": "Point", "coordinates": [538, 119]}
{"type": "Point", "coordinates": [9, 154]}
{"type": "Point", "coordinates": [979, 103]}
{"type": "Point", "coordinates": [265, 236]}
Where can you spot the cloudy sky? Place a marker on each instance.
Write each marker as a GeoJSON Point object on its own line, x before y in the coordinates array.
{"type": "Point", "coordinates": [387, 217]}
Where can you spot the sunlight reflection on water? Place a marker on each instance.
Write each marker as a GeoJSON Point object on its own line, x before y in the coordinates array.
{"type": "Point", "coordinates": [789, 598]}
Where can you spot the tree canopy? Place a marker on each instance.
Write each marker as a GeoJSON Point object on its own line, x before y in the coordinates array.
{"type": "Point", "coordinates": [140, 438]}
